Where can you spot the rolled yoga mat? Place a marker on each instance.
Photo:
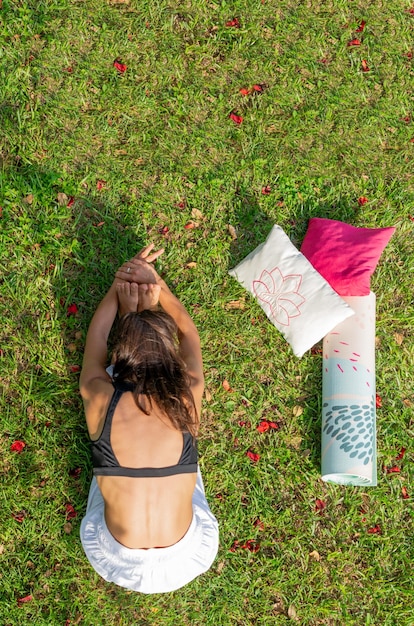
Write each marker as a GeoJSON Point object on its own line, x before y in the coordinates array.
{"type": "Point", "coordinates": [348, 397]}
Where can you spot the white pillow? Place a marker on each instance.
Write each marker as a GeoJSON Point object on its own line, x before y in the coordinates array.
{"type": "Point", "coordinates": [294, 296]}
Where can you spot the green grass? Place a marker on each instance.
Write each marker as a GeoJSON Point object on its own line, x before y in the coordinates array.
{"type": "Point", "coordinates": [322, 134]}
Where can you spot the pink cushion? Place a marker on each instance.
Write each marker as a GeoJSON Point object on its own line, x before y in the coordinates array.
{"type": "Point", "coordinates": [346, 256]}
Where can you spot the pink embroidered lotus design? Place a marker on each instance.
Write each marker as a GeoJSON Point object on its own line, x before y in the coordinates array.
{"type": "Point", "coordinates": [280, 293]}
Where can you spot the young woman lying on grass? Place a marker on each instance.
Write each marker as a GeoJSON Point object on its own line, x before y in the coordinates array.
{"type": "Point", "coordinates": [148, 526]}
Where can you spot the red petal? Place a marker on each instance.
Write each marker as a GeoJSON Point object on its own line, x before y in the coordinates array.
{"type": "Point", "coordinates": [405, 493]}
{"type": "Point", "coordinates": [189, 226]}
{"type": "Point", "coordinates": [233, 23]}
{"type": "Point", "coordinates": [121, 67]}
{"type": "Point", "coordinates": [364, 65]}
{"type": "Point", "coordinates": [70, 511]}
{"type": "Point", "coordinates": [252, 456]}
{"type": "Point", "coordinates": [244, 91]}
{"type": "Point", "coordinates": [19, 516]}
{"type": "Point", "coordinates": [163, 230]}
{"type": "Point", "coordinates": [235, 545]}
{"type": "Point", "coordinates": [17, 446]}
{"type": "Point", "coordinates": [100, 184]}
{"type": "Point", "coordinates": [319, 505]}
{"type": "Point", "coordinates": [237, 119]}
{"type": "Point", "coordinates": [378, 401]}
{"type": "Point", "coordinates": [266, 190]}
{"type": "Point", "coordinates": [361, 27]}
{"type": "Point", "coordinates": [251, 545]}
{"type": "Point", "coordinates": [393, 470]}
{"type": "Point", "coordinates": [71, 200]}
{"type": "Point", "coordinates": [74, 368]}
{"type": "Point", "coordinates": [354, 42]}
{"type": "Point", "coordinates": [258, 524]}
{"type": "Point", "coordinates": [258, 88]}
{"type": "Point", "coordinates": [71, 310]}
{"type": "Point", "coordinates": [22, 601]}
{"type": "Point", "coordinates": [362, 200]}
{"type": "Point", "coordinates": [76, 472]}
{"type": "Point", "coordinates": [226, 386]}
{"type": "Point", "coordinates": [375, 530]}
{"type": "Point", "coordinates": [401, 454]}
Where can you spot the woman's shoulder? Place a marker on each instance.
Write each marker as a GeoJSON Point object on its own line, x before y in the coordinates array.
{"type": "Point", "coordinates": [96, 400]}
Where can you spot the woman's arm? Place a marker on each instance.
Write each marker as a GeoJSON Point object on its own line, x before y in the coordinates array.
{"type": "Point", "coordinates": [96, 346]}
{"type": "Point", "coordinates": [190, 348]}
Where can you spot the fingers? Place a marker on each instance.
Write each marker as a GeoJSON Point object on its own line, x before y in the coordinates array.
{"type": "Point", "coordinates": [144, 254]}
{"type": "Point", "coordinates": [154, 255]}
{"type": "Point", "coordinates": [122, 274]}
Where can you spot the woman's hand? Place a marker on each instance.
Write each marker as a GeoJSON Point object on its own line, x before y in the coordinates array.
{"type": "Point", "coordinates": [140, 269]}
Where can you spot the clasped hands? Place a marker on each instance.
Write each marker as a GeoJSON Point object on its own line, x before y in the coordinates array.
{"type": "Point", "coordinates": [140, 269]}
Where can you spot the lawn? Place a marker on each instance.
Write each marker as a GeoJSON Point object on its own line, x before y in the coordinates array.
{"type": "Point", "coordinates": [197, 126]}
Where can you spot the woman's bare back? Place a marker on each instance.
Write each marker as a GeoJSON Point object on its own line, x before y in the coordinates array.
{"type": "Point", "coordinates": [146, 512]}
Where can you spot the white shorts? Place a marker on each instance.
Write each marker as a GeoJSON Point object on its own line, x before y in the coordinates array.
{"type": "Point", "coordinates": [156, 570]}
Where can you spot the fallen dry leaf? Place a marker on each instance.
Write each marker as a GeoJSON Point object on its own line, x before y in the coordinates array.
{"type": "Point", "coordinates": [62, 198]}
{"type": "Point", "coordinates": [297, 411]}
{"type": "Point", "coordinates": [315, 555]}
{"type": "Point", "coordinates": [29, 198]}
{"type": "Point", "coordinates": [399, 338]}
{"type": "Point", "coordinates": [232, 231]}
{"type": "Point", "coordinates": [191, 265]}
{"type": "Point", "coordinates": [197, 214]}
{"type": "Point", "coordinates": [235, 304]}
{"type": "Point", "coordinates": [207, 395]}
{"type": "Point", "coordinates": [67, 528]}
{"type": "Point", "coordinates": [292, 613]}
{"type": "Point", "coordinates": [226, 386]}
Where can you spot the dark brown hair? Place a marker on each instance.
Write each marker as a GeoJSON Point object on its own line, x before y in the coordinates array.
{"type": "Point", "coordinates": [146, 354]}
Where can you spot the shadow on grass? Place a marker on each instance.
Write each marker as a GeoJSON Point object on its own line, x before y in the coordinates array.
{"type": "Point", "coordinates": [59, 252]}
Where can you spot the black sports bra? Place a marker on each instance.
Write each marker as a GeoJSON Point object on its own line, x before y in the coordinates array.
{"type": "Point", "coordinates": [105, 462]}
